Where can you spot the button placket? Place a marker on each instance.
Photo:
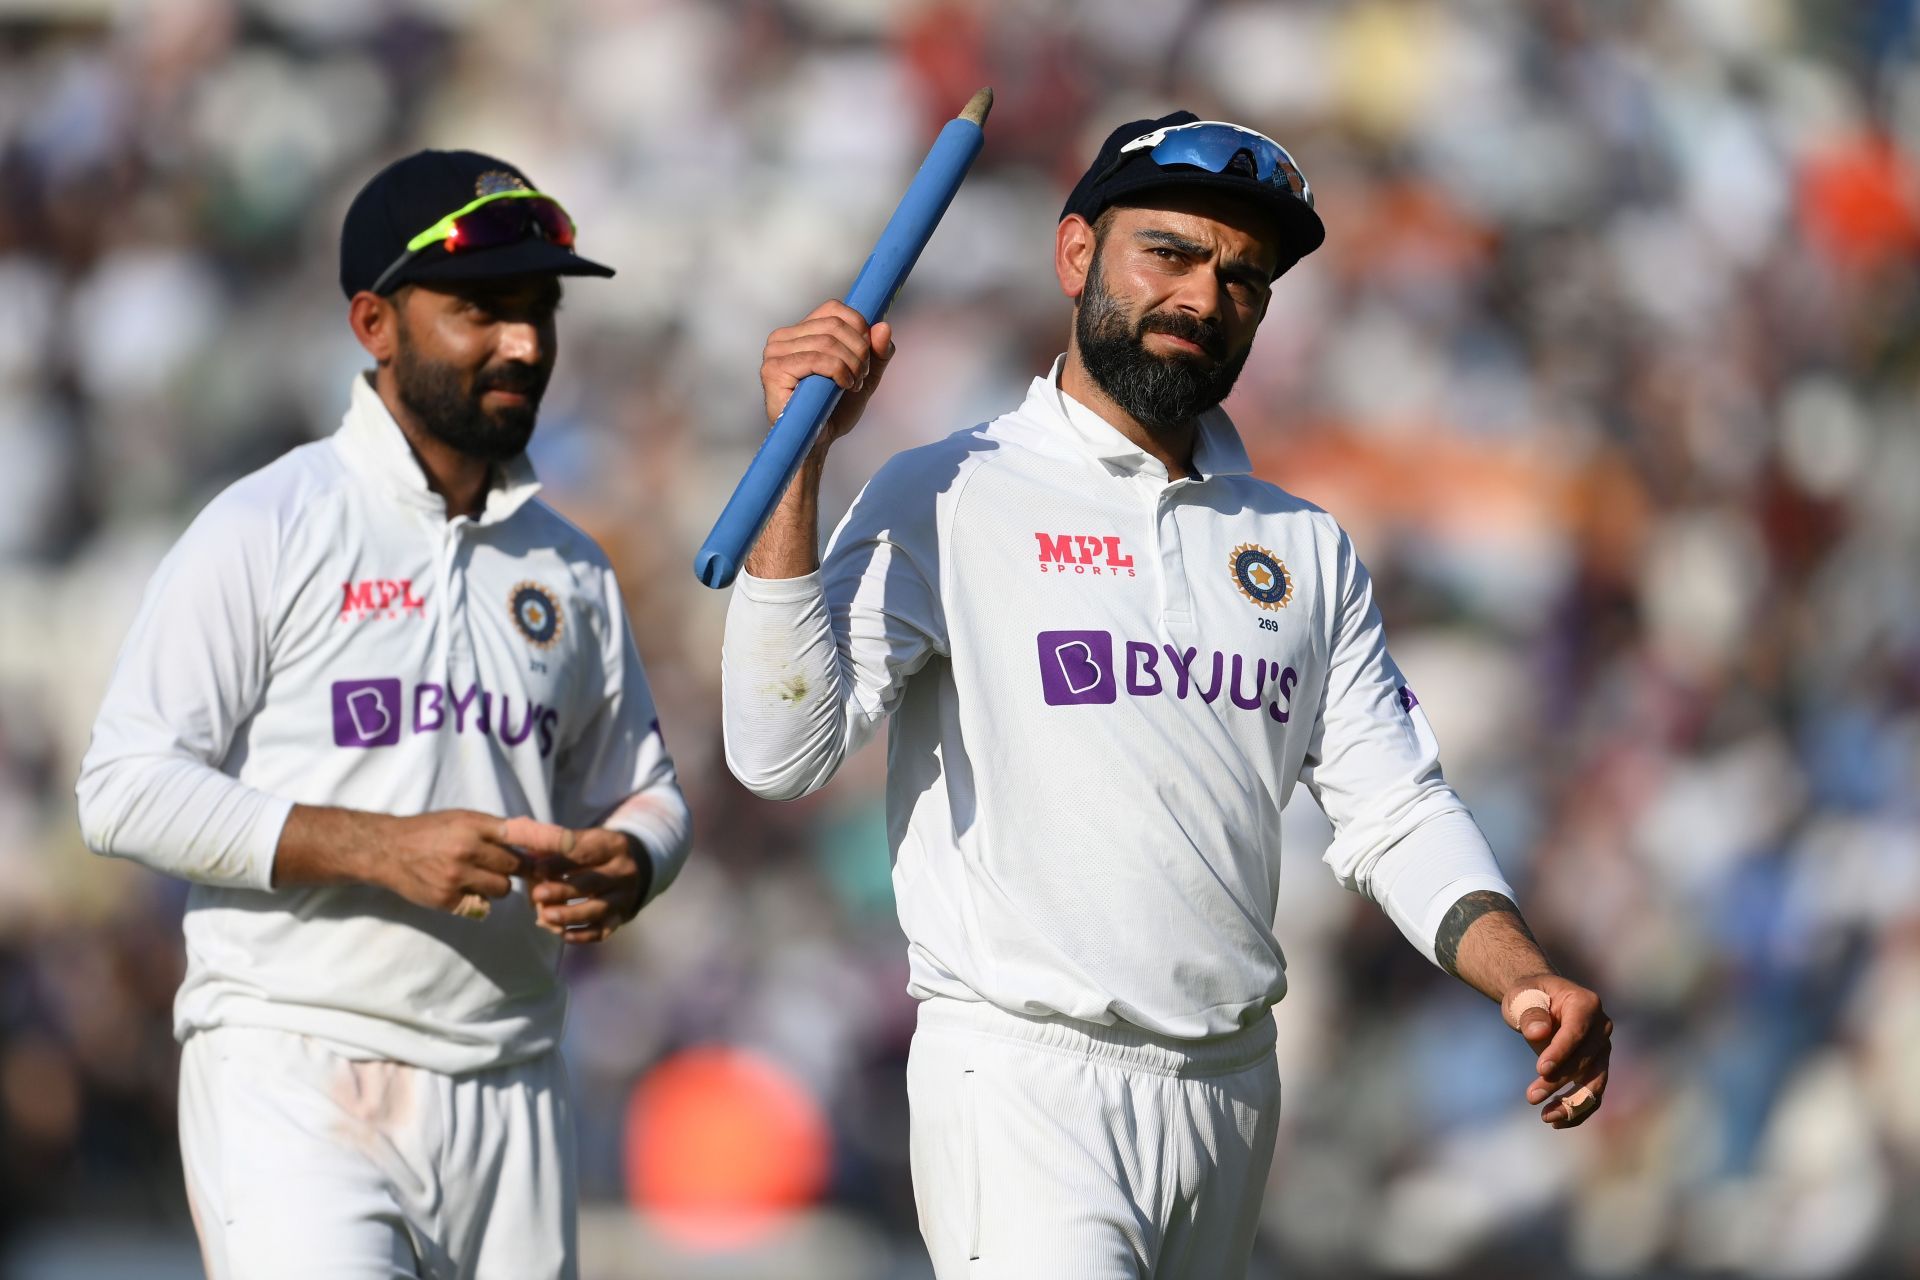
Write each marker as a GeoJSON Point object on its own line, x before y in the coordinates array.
{"type": "Point", "coordinates": [1176, 600]}
{"type": "Point", "coordinates": [459, 631]}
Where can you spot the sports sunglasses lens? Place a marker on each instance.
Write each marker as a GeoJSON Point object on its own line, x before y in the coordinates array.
{"type": "Point", "coordinates": [1214, 150]}
{"type": "Point", "coordinates": [505, 222]}
{"type": "Point", "coordinates": [553, 222]}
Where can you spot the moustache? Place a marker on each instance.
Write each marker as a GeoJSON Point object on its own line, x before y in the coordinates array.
{"type": "Point", "coordinates": [521, 379]}
{"type": "Point", "coordinates": [1205, 336]}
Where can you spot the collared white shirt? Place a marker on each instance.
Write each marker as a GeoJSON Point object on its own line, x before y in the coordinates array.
{"type": "Point", "coordinates": [324, 634]}
{"type": "Point", "coordinates": [1103, 687]}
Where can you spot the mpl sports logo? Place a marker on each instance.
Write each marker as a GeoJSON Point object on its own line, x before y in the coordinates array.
{"type": "Point", "coordinates": [380, 598]}
{"type": "Point", "coordinates": [372, 713]}
{"type": "Point", "coordinates": [1077, 668]}
{"type": "Point", "coordinates": [1083, 553]}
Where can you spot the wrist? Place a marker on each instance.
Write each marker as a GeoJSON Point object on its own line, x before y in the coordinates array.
{"type": "Point", "coordinates": [366, 862]}
{"type": "Point", "coordinates": [643, 871]}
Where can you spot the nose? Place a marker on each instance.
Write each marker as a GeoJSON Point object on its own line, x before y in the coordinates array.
{"type": "Point", "coordinates": [521, 342]}
{"type": "Point", "coordinates": [1199, 294]}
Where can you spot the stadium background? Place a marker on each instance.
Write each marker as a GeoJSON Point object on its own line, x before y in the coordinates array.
{"type": "Point", "coordinates": [1610, 363]}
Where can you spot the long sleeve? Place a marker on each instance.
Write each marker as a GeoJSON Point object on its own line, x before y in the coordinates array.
{"type": "Point", "coordinates": [617, 772]}
{"type": "Point", "coordinates": [1401, 834]}
{"type": "Point", "coordinates": [153, 786]}
{"type": "Point", "coordinates": [811, 666]}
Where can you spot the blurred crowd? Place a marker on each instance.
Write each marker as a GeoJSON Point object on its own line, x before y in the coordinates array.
{"type": "Point", "coordinates": [1611, 363]}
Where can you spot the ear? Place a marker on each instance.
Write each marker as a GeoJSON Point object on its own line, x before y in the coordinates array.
{"type": "Point", "coordinates": [375, 322]}
{"type": "Point", "coordinates": [1073, 254]}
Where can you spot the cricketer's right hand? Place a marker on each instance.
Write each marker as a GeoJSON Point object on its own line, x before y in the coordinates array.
{"type": "Point", "coordinates": [833, 340]}
{"type": "Point", "coordinates": [438, 859]}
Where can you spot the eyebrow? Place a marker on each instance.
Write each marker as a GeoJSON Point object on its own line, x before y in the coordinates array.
{"type": "Point", "coordinates": [1232, 270]}
{"type": "Point", "coordinates": [546, 297]}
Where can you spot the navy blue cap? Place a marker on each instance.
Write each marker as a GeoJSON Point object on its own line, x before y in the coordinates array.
{"type": "Point", "coordinates": [1116, 179]}
{"type": "Point", "coordinates": [416, 191]}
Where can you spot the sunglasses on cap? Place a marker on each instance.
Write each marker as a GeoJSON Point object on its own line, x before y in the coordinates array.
{"type": "Point", "coordinates": [500, 218]}
{"type": "Point", "coordinates": [1215, 145]}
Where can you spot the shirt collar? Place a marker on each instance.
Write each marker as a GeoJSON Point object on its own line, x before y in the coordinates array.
{"type": "Point", "coordinates": [374, 445]}
{"type": "Point", "coordinates": [1217, 448]}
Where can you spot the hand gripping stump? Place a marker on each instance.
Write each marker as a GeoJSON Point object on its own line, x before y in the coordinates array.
{"type": "Point", "coordinates": [907, 233]}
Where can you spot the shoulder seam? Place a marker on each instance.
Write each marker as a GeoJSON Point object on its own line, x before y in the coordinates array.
{"type": "Point", "coordinates": [979, 462]}
{"type": "Point", "coordinates": [596, 552]}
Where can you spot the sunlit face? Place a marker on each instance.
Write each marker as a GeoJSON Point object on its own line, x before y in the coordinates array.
{"type": "Point", "coordinates": [1172, 299]}
{"type": "Point", "coordinates": [471, 359]}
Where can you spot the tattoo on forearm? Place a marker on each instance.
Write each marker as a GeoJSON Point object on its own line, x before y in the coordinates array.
{"type": "Point", "coordinates": [1446, 945]}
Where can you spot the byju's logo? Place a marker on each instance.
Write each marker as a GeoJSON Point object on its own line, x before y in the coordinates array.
{"type": "Point", "coordinates": [370, 713]}
{"type": "Point", "coordinates": [1076, 667]}
{"type": "Point", "coordinates": [366, 713]}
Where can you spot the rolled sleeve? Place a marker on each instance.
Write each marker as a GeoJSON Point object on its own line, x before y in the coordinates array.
{"type": "Point", "coordinates": [1401, 834]}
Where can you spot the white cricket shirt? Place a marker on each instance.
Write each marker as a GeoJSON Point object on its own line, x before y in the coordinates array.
{"type": "Point", "coordinates": [323, 634]}
{"type": "Point", "coordinates": [1103, 687]}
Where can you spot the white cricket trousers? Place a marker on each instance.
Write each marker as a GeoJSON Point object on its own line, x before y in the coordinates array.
{"type": "Point", "coordinates": [1062, 1150]}
{"type": "Point", "coordinates": [302, 1163]}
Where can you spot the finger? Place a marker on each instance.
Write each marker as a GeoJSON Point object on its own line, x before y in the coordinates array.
{"type": "Point", "coordinates": [1581, 1072]}
{"type": "Point", "coordinates": [542, 839]}
{"type": "Point", "coordinates": [497, 859]}
{"type": "Point", "coordinates": [1577, 1104]}
{"type": "Point", "coordinates": [584, 884]}
{"type": "Point", "coordinates": [1576, 1021]}
{"type": "Point", "coordinates": [829, 361]}
{"type": "Point", "coordinates": [487, 884]}
{"type": "Point", "coordinates": [1530, 1012]}
{"type": "Point", "coordinates": [596, 849]}
{"type": "Point", "coordinates": [592, 933]}
{"type": "Point", "coordinates": [1594, 1049]}
{"type": "Point", "coordinates": [1542, 1087]}
{"type": "Point", "coordinates": [835, 309]}
{"type": "Point", "coordinates": [850, 329]}
{"type": "Point", "coordinates": [570, 914]}
{"type": "Point", "coordinates": [835, 338]}
{"type": "Point", "coordinates": [816, 335]}
{"type": "Point", "coordinates": [876, 367]}
{"type": "Point", "coordinates": [477, 886]}
{"type": "Point", "coordinates": [594, 884]}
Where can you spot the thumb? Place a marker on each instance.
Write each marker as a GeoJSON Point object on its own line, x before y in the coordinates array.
{"type": "Point", "coordinates": [881, 337]}
{"type": "Point", "coordinates": [542, 839]}
{"type": "Point", "coordinates": [1537, 1026]}
{"type": "Point", "coordinates": [1530, 1012]}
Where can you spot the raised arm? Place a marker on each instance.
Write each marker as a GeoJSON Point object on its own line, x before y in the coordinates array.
{"type": "Point", "coordinates": [833, 341]}
{"type": "Point", "coordinates": [814, 659]}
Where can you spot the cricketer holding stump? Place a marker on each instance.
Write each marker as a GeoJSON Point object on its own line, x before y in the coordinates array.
{"type": "Point", "coordinates": [381, 707]}
{"type": "Point", "coordinates": [1108, 653]}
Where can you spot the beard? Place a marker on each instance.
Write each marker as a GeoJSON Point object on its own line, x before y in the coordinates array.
{"type": "Point", "coordinates": [1161, 393]}
{"type": "Point", "coordinates": [452, 411]}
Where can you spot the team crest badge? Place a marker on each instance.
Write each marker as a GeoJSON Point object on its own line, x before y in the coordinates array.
{"type": "Point", "coordinates": [536, 613]}
{"type": "Point", "coordinates": [1261, 577]}
{"type": "Point", "coordinates": [494, 181]}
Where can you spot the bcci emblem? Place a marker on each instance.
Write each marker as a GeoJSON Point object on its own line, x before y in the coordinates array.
{"type": "Point", "coordinates": [494, 181]}
{"type": "Point", "coordinates": [536, 613]}
{"type": "Point", "coordinates": [1260, 577]}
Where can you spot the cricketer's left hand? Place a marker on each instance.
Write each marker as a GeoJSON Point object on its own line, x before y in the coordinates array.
{"type": "Point", "coordinates": [586, 892]}
{"type": "Point", "coordinates": [1573, 1036]}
